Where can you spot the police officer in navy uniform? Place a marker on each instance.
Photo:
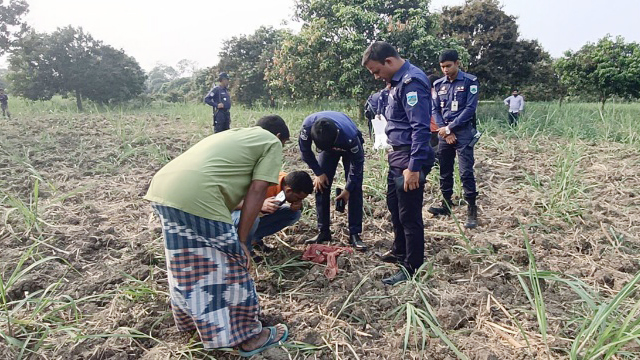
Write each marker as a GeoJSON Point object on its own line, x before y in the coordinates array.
{"type": "Point", "coordinates": [376, 105]}
{"type": "Point", "coordinates": [220, 100]}
{"type": "Point", "coordinates": [408, 115]}
{"type": "Point", "coordinates": [337, 137]}
{"type": "Point", "coordinates": [455, 103]}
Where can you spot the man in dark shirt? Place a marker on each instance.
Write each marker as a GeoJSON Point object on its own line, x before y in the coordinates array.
{"type": "Point", "coordinates": [4, 104]}
{"type": "Point", "coordinates": [408, 115]}
{"type": "Point", "coordinates": [337, 137]}
{"type": "Point", "coordinates": [220, 100]}
{"type": "Point", "coordinates": [455, 103]}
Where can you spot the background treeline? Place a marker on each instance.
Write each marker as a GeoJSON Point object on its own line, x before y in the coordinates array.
{"type": "Point", "coordinates": [322, 61]}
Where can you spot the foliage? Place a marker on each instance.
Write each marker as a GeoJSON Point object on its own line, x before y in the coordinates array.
{"type": "Point", "coordinates": [11, 22]}
{"type": "Point", "coordinates": [497, 57]}
{"type": "Point", "coordinates": [324, 59]}
{"type": "Point", "coordinates": [245, 59]}
{"type": "Point", "coordinates": [608, 68]}
{"type": "Point", "coordinates": [70, 61]}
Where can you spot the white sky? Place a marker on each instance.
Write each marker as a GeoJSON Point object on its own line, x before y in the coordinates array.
{"type": "Point", "coordinates": [168, 31]}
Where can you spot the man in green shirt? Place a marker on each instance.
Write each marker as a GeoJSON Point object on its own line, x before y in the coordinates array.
{"type": "Point", "coordinates": [207, 261]}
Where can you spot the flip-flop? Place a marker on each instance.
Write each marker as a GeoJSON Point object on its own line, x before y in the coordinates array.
{"type": "Point", "coordinates": [271, 341]}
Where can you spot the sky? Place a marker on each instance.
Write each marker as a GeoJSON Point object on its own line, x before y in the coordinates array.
{"type": "Point", "coordinates": [164, 31]}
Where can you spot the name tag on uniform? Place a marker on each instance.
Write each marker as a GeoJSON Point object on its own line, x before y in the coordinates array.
{"type": "Point", "coordinates": [454, 105]}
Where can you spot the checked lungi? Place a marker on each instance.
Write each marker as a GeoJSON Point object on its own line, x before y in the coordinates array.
{"type": "Point", "coordinates": [211, 289]}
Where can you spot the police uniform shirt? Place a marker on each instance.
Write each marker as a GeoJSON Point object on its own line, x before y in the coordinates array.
{"type": "Point", "coordinates": [349, 140]}
{"type": "Point", "coordinates": [218, 95]}
{"type": "Point", "coordinates": [408, 114]}
{"type": "Point", "coordinates": [455, 102]}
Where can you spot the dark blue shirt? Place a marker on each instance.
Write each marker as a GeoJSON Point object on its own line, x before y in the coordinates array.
{"type": "Point", "coordinates": [218, 95]}
{"type": "Point", "coordinates": [464, 89]}
{"type": "Point", "coordinates": [349, 140]}
{"type": "Point", "coordinates": [409, 114]}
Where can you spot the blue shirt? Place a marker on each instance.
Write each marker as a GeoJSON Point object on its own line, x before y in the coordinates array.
{"type": "Point", "coordinates": [409, 115]}
{"type": "Point", "coordinates": [349, 140]}
{"type": "Point", "coordinates": [464, 89]}
{"type": "Point", "coordinates": [218, 95]}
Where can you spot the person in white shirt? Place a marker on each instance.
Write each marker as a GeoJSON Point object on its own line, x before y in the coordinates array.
{"type": "Point", "coordinates": [516, 105]}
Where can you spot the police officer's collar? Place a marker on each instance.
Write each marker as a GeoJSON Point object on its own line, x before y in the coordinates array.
{"type": "Point", "coordinates": [403, 69]}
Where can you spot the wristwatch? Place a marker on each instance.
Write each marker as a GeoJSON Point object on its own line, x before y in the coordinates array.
{"type": "Point", "coordinates": [447, 131]}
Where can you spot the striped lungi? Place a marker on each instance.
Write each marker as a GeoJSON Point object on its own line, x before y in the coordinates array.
{"type": "Point", "coordinates": [211, 289]}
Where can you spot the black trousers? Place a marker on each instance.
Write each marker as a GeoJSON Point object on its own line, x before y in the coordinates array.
{"type": "Point", "coordinates": [328, 161]}
{"type": "Point", "coordinates": [406, 214]}
{"type": "Point", "coordinates": [513, 118]}
{"type": "Point", "coordinates": [221, 120]}
{"type": "Point", "coordinates": [446, 157]}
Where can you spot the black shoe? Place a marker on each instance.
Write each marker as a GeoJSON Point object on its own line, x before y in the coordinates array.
{"type": "Point", "coordinates": [357, 243]}
{"type": "Point", "coordinates": [388, 257]}
{"type": "Point", "coordinates": [472, 217]}
{"type": "Point", "coordinates": [323, 236]}
{"type": "Point", "coordinates": [444, 209]}
{"type": "Point", "coordinates": [396, 278]}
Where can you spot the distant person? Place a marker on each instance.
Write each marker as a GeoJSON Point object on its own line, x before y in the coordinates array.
{"type": "Point", "coordinates": [220, 100]}
{"type": "Point", "coordinates": [454, 109]}
{"type": "Point", "coordinates": [375, 108]}
{"type": "Point", "coordinates": [208, 263]}
{"type": "Point", "coordinates": [515, 102]}
{"type": "Point", "coordinates": [337, 138]}
{"type": "Point", "coordinates": [4, 104]}
{"type": "Point", "coordinates": [282, 207]}
{"type": "Point", "coordinates": [408, 115]}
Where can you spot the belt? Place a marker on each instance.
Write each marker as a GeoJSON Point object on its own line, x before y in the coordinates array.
{"type": "Point", "coordinates": [401, 148]}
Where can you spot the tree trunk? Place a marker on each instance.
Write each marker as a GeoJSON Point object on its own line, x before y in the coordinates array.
{"type": "Point", "coordinates": [561, 100]}
{"type": "Point", "coordinates": [603, 99]}
{"type": "Point", "coordinates": [79, 100]}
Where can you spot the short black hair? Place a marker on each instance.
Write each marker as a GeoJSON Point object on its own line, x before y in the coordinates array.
{"type": "Point", "coordinates": [299, 181]}
{"type": "Point", "coordinates": [449, 55]}
{"type": "Point", "coordinates": [324, 133]}
{"type": "Point", "coordinates": [275, 125]}
{"type": "Point", "coordinates": [379, 51]}
{"type": "Point", "coordinates": [432, 78]}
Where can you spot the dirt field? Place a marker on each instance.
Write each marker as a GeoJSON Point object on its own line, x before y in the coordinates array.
{"type": "Point", "coordinates": [72, 188]}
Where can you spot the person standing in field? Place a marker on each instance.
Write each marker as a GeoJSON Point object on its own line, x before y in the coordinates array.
{"type": "Point", "coordinates": [282, 207]}
{"type": "Point", "coordinates": [220, 100]}
{"type": "Point", "coordinates": [515, 102]}
{"type": "Point", "coordinates": [337, 137]}
{"type": "Point", "coordinates": [208, 262]}
{"type": "Point", "coordinates": [455, 103]}
{"type": "Point", "coordinates": [408, 115]}
{"type": "Point", "coordinates": [4, 104]}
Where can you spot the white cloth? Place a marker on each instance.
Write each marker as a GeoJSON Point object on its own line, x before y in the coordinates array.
{"type": "Point", "coordinates": [516, 103]}
{"type": "Point", "coordinates": [379, 123]}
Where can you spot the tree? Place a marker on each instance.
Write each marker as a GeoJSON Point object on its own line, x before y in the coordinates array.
{"type": "Point", "coordinates": [70, 61]}
{"type": "Point", "coordinates": [324, 59]}
{"type": "Point", "coordinates": [246, 58]}
{"type": "Point", "coordinates": [11, 22]}
{"type": "Point", "coordinates": [160, 75]}
{"type": "Point", "coordinates": [608, 68]}
{"type": "Point", "coordinates": [497, 57]}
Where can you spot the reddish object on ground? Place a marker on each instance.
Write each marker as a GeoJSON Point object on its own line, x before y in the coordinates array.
{"type": "Point", "coordinates": [326, 253]}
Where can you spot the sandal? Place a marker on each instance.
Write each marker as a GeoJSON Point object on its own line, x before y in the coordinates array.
{"type": "Point", "coordinates": [271, 342]}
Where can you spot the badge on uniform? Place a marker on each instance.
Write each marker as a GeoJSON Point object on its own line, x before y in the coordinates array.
{"type": "Point", "coordinates": [473, 89]}
{"type": "Point", "coordinates": [454, 105]}
{"type": "Point", "coordinates": [303, 134]}
{"type": "Point", "coordinates": [412, 98]}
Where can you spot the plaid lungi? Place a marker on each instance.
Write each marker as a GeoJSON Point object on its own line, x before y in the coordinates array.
{"type": "Point", "coordinates": [211, 289]}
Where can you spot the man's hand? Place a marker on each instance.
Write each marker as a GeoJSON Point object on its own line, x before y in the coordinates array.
{"type": "Point", "coordinates": [270, 205]}
{"type": "Point", "coordinates": [344, 195]}
{"type": "Point", "coordinates": [451, 139]}
{"type": "Point", "coordinates": [320, 182]}
{"type": "Point", "coordinates": [442, 132]}
{"type": "Point", "coordinates": [297, 206]}
{"type": "Point", "coordinates": [220, 106]}
{"type": "Point", "coordinates": [247, 253]}
{"type": "Point", "coordinates": [411, 179]}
